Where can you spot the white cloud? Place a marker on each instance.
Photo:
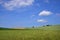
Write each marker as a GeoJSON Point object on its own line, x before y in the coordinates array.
{"type": "Point", "coordinates": [17, 3]}
{"type": "Point", "coordinates": [45, 13]}
{"type": "Point", "coordinates": [42, 20]}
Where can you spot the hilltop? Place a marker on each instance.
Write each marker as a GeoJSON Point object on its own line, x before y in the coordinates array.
{"type": "Point", "coordinates": [52, 27]}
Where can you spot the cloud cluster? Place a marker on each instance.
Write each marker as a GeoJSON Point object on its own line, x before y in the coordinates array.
{"type": "Point", "coordinates": [16, 3]}
{"type": "Point", "coordinates": [41, 20]}
{"type": "Point", "coordinates": [12, 4]}
{"type": "Point", "coordinates": [45, 13]}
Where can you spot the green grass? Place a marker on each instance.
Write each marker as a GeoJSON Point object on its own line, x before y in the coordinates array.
{"type": "Point", "coordinates": [30, 34]}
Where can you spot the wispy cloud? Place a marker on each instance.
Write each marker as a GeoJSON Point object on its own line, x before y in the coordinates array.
{"type": "Point", "coordinates": [17, 3]}
{"type": "Point", "coordinates": [32, 15]}
{"type": "Point", "coordinates": [58, 14]}
{"type": "Point", "coordinates": [1, 2]}
{"type": "Point", "coordinates": [46, 1]}
{"type": "Point", "coordinates": [42, 20]}
{"type": "Point", "coordinates": [45, 13]}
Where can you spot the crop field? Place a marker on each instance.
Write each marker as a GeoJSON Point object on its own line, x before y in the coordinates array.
{"type": "Point", "coordinates": [29, 34]}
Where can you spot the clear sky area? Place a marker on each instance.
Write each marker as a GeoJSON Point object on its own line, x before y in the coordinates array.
{"type": "Point", "coordinates": [28, 13]}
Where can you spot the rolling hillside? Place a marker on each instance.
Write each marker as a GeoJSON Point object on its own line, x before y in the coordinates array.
{"type": "Point", "coordinates": [55, 27]}
{"type": "Point", "coordinates": [51, 33]}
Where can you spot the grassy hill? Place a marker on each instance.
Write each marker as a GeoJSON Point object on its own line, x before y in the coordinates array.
{"type": "Point", "coordinates": [55, 27]}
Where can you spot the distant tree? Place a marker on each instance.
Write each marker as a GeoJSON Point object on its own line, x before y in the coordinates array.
{"type": "Point", "coordinates": [48, 25]}
{"type": "Point", "coordinates": [32, 26]}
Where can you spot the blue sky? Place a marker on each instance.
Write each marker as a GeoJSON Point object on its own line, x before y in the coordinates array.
{"type": "Point", "coordinates": [28, 13]}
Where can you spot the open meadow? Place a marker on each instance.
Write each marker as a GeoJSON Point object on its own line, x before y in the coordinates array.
{"type": "Point", "coordinates": [29, 34]}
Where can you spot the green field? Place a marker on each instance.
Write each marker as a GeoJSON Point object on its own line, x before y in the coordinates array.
{"type": "Point", "coordinates": [31, 34]}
